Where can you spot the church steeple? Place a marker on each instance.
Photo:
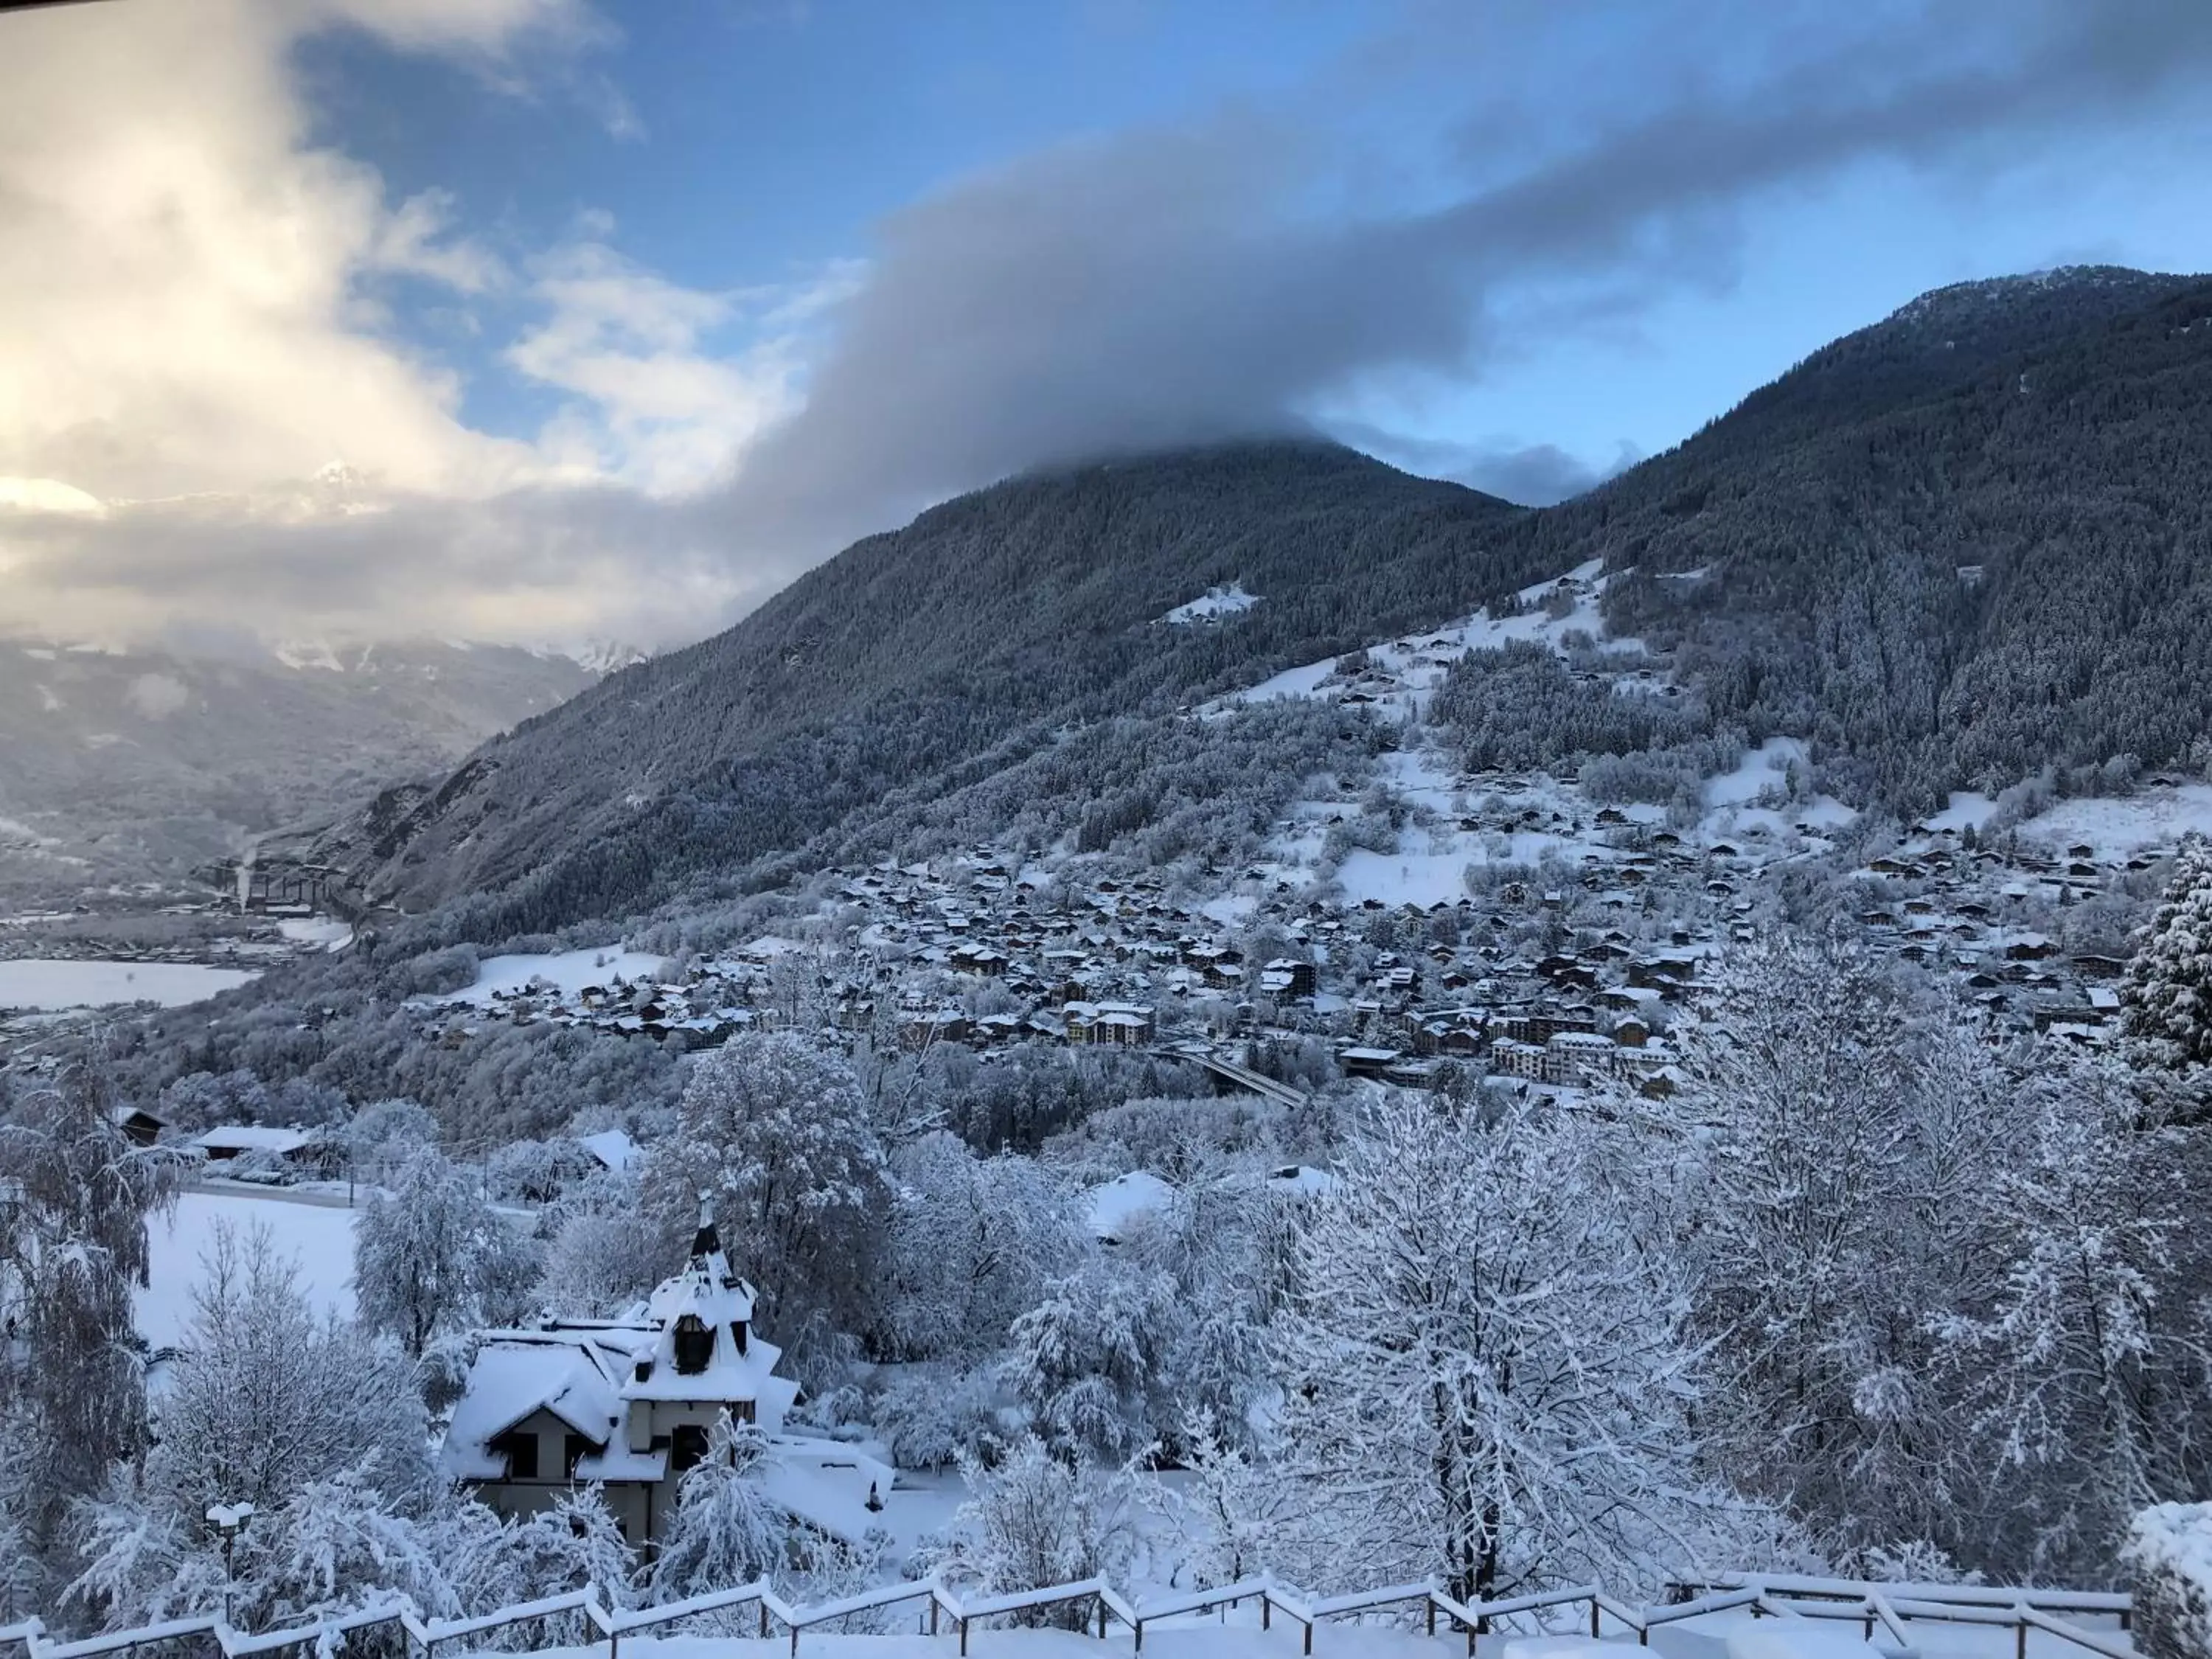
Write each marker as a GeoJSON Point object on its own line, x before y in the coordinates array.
{"type": "Point", "coordinates": [706, 1242]}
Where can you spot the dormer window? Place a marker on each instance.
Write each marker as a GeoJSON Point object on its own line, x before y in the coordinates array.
{"type": "Point", "coordinates": [695, 1345]}
{"type": "Point", "coordinates": [738, 1335]}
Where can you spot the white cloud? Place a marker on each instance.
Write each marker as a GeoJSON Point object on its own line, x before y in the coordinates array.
{"type": "Point", "coordinates": [190, 334]}
{"type": "Point", "coordinates": [653, 402]}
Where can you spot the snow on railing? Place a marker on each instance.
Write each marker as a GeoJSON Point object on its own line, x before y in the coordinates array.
{"type": "Point", "coordinates": [1889, 1607]}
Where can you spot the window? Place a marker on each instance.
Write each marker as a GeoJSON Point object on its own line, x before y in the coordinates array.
{"type": "Point", "coordinates": [695, 1345]}
{"type": "Point", "coordinates": [741, 1411]}
{"type": "Point", "coordinates": [687, 1447]}
{"type": "Point", "coordinates": [520, 1451]}
{"type": "Point", "coordinates": [578, 1447]}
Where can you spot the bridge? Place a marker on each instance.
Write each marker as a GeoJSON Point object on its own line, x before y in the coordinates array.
{"type": "Point", "coordinates": [1244, 1076]}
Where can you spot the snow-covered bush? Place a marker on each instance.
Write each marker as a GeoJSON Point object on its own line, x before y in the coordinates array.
{"type": "Point", "coordinates": [932, 1414]}
{"type": "Point", "coordinates": [2168, 1557]}
{"type": "Point", "coordinates": [1033, 1520]}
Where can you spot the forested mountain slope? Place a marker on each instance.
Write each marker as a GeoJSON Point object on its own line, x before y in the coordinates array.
{"type": "Point", "coordinates": [1964, 544]}
{"type": "Point", "coordinates": [979, 628]}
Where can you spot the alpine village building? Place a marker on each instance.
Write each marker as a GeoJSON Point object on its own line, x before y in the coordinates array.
{"type": "Point", "coordinates": [629, 1405]}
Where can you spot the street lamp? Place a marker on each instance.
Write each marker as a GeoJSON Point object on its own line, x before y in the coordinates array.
{"type": "Point", "coordinates": [229, 1520]}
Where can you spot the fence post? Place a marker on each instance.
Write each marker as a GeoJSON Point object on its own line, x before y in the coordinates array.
{"type": "Point", "coordinates": [1309, 1646]}
{"type": "Point", "coordinates": [1430, 1605]}
{"type": "Point", "coordinates": [1266, 1611]}
{"type": "Point", "coordinates": [933, 1615]}
{"type": "Point", "coordinates": [2020, 1640]}
{"type": "Point", "coordinates": [1592, 1618]}
{"type": "Point", "coordinates": [764, 1618]}
{"type": "Point", "coordinates": [1139, 1644]}
{"type": "Point", "coordinates": [964, 1636]}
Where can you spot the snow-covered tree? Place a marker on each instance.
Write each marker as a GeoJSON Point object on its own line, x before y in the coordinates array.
{"type": "Point", "coordinates": [972, 1242]}
{"type": "Point", "coordinates": [384, 1134]}
{"type": "Point", "coordinates": [1228, 1510]}
{"type": "Point", "coordinates": [74, 1194]}
{"type": "Point", "coordinates": [725, 1531]}
{"type": "Point", "coordinates": [1839, 1139]}
{"type": "Point", "coordinates": [2167, 988]}
{"type": "Point", "coordinates": [266, 1398]}
{"type": "Point", "coordinates": [2085, 1371]}
{"type": "Point", "coordinates": [607, 1249]}
{"type": "Point", "coordinates": [1485, 1373]}
{"type": "Point", "coordinates": [575, 1542]}
{"type": "Point", "coordinates": [1032, 1520]}
{"type": "Point", "coordinates": [1089, 1361]}
{"type": "Point", "coordinates": [435, 1257]}
{"type": "Point", "coordinates": [775, 1131]}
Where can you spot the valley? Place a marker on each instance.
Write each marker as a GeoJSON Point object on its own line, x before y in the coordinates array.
{"type": "Point", "coordinates": [1082, 1019]}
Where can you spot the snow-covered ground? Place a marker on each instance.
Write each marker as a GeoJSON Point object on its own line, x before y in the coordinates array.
{"type": "Point", "coordinates": [1213, 604]}
{"type": "Point", "coordinates": [316, 1238]}
{"type": "Point", "coordinates": [325, 931]}
{"type": "Point", "coordinates": [571, 970]}
{"type": "Point", "coordinates": [51, 985]}
{"type": "Point", "coordinates": [1418, 662]}
{"type": "Point", "coordinates": [1732, 798]}
{"type": "Point", "coordinates": [1963, 809]}
{"type": "Point", "coordinates": [2156, 818]}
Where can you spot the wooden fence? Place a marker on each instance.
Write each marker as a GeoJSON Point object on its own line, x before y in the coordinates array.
{"type": "Point", "coordinates": [1884, 1608]}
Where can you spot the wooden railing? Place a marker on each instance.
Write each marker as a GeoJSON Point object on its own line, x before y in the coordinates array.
{"type": "Point", "coordinates": [1886, 1608]}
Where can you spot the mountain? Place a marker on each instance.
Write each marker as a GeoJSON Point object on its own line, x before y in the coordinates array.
{"type": "Point", "coordinates": [1962, 545]}
{"type": "Point", "coordinates": [136, 765]}
{"type": "Point", "coordinates": [979, 628]}
{"type": "Point", "coordinates": [1969, 543]}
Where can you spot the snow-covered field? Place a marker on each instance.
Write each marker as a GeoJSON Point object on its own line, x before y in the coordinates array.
{"type": "Point", "coordinates": [316, 1238]}
{"type": "Point", "coordinates": [2156, 818]}
{"type": "Point", "coordinates": [571, 970]}
{"type": "Point", "coordinates": [1417, 663]}
{"type": "Point", "coordinates": [51, 985]}
{"type": "Point", "coordinates": [325, 931]}
{"type": "Point", "coordinates": [1213, 604]}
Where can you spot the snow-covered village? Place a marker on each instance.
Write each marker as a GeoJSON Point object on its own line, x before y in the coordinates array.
{"type": "Point", "coordinates": [1366, 828]}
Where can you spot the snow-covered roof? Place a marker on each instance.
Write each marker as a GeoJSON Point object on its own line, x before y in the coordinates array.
{"type": "Point", "coordinates": [587, 1374]}
{"type": "Point", "coordinates": [572, 1373]}
{"type": "Point", "coordinates": [614, 1149]}
{"type": "Point", "coordinates": [1115, 1203]}
{"type": "Point", "coordinates": [739, 1366]}
{"type": "Point", "coordinates": [825, 1483]}
{"type": "Point", "coordinates": [251, 1138]}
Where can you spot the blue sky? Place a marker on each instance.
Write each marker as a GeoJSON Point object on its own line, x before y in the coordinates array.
{"type": "Point", "coordinates": [737, 144]}
{"type": "Point", "coordinates": [584, 318]}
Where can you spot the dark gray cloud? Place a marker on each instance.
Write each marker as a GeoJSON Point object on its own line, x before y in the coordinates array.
{"type": "Point", "coordinates": [1532, 475]}
{"type": "Point", "coordinates": [1229, 277]}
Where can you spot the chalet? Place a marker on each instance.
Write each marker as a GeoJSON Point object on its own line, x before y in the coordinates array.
{"type": "Point", "coordinates": [1286, 977]}
{"type": "Point", "coordinates": [141, 1127]}
{"type": "Point", "coordinates": [232, 1142]}
{"type": "Point", "coordinates": [628, 1406]}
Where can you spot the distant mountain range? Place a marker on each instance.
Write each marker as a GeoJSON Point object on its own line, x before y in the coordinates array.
{"type": "Point", "coordinates": [129, 766]}
{"type": "Point", "coordinates": [1961, 545]}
